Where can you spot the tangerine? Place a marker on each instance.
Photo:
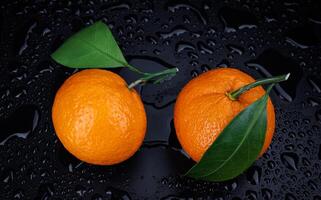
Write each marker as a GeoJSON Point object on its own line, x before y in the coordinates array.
{"type": "Point", "coordinates": [203, 109]}
{"type": "Point", "coordinates": [97, 118]}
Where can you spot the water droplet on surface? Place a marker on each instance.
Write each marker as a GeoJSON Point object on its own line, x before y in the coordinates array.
{"type": "Point", "coordinates": [19, 124]}
{"type": "Point", "coordinates": [181, 46]}
{"type": "Point", "coordinates": [254, 175]}
{"type": "Point", "coordinates": [45, 191]}
{"type": "Point", "coordinates": [115, 7]}
{"type": "Point", "coordinates": [234, 19]}
{"type": "Point", "coordinates": [176, 31]}
{"type": "Point", "coordinates": [224, 63]}
{"type": "Point", "coordinates": [151, 39]}
{"type": "Point", "coordinates": [19, 194]}
{"type": "Point", "coordinates": [314, 102]}
{"type": "Point", "coordinates": [173, 7]}
{"type": "Point", "coordinates": [290, 160]}
{"type": "Point", "coordinates": [80, 190]}
{"type": "Point", "coordinates": [315, 83]}
{"type": "Point", "coordinates": [235, 49]}
{"type": "Point", "coordinates": [266, 194]}
{"type": "Point", "coordinates": [7, 176]}
{"type": "Point", "coordinates": [46, 32]}
{"type": "Point", "coordinates": [304, 36]}
{"type": "Point", "coordinates": [204, 49]}
{"type": "Point", "coordinates": [24, 46]}
{"type": "Point", "coordinates": [251, 195]}
{"type": "Point", "coordinates": [68, 161]}
{"type": "Point", "coordinates": [194, 73]}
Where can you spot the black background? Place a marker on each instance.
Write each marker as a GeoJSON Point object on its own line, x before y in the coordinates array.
{"type": "Point", "coordinates": [262, 38]}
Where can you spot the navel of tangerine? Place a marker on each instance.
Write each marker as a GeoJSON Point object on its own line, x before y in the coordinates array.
{"type": "Point", "coordinates": [97, 118]}
{"type": "Point", "coordinates": [203, 109]}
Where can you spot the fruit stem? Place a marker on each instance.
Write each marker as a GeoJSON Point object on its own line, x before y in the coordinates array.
{"type": "Point", "coordinates": [155, 77]}
{"type": "Point", "coordinates": [276, 79]}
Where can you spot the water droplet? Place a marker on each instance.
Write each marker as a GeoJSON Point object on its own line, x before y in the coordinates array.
{"type": "Point", "coordinates": [156, 51]}
{"type": "Point", "coordinates": [115, 7]}
{"type": "Point", "coordinates": [304, 36]}
{"type": "Point", "coordinates": [24, 46]}
{"type": "Point", "coordinates": [290, 160]}
{"type": "Point", "coordinates": [151, 39]}
{"type": "Point", "coordinates": [181, 46]}
{"type": "Point", "coordinates": [224, 63]}
{"type": "Point", "coordinates": [200, 14]}
{"type": "Point", "coordinates": [266, 194]}
{"type": "Point", "coordinates": [46, 32]}
{"type": "Point", "coordinates": [192, 55]}
{"type": "Point", "coordinates": [45, 191]}
{"type": "Point", "coordinates": [251, 195]}
{"type": "Point", "coordinates": [315, 83]}
{"type": "Point", "coordinates": [254, 175]}
{"type": "Point", "coordinates": [314, 102]}
{"type": "Point", "coordinates": [131, 19]}
{"type": "Point", "coordinates": [176, 31]}
{"type": "Point", "coordinates": [271, 164]}
{"type": "Point", "coordinates": [19, 194]}
{"type": "Point", "coordinates": [205, 68]}
{"type": "Point", "coordinates": [234, 19]}
{"type": "Point", "coordinates": [204, 49]}
{"type": "Point", "coordinates": [20, 124]}
{"type": "Point", "coordinates": [80, 190]}
{"type": "Point", "coordinates": [7, 176]}
{"type": "Point", "coordinates": [67, 160]}
{"type": "Point", "coordinates": [235, 49]}
{"type": "Point", "coordinates": [194, 73]}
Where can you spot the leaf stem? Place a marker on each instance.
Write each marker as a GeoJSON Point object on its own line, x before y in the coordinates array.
{"type": "Point", "coordinates": [134, 69]}
{"type": "Point", "coordinates": [155, 77]}
{"type": "Point", "coordinates": [276, 79]}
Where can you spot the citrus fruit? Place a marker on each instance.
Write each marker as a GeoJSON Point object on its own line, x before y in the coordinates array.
{"type": "Point", "coordinates": [97, 118]}
{"type": "Point", "coordinates": [203, 109]}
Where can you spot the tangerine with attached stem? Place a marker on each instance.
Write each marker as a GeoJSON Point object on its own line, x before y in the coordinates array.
{"type": "Point", "coordinates": [99, 118]}
{"type": "Point", "coordinates": [207, 104]}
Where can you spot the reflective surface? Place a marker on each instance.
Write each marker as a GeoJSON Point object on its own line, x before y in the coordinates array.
{"type": "Point", "coordinates": [263, 38]}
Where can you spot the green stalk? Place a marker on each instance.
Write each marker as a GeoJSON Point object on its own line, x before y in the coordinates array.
{"type": "Point", "coordinates": [155, 77]}
{"type": "Point", "coordinates": [134, 69]}
{"type": "Point", "coordinates": [276, 79]}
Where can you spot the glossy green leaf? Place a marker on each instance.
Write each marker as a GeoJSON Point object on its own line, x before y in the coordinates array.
{"type": "Point", "coordinates": [92, 47]}
{"type": "Point", "coordinates": [237, 147]}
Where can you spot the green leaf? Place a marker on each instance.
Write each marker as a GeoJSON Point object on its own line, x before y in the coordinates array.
{"type": "Point", "coordinates": [237, 147]}
{"type": "Point", "coordinates": [92, 47]}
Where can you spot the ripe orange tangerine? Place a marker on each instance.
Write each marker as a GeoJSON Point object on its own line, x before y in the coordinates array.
{"type": "Point", "coordinates": [97, 118]}
{"type": "Point", "coordinates": [203, 109]}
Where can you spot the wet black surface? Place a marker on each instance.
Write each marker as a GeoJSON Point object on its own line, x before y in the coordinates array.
{"type": "Point", "coordinates": [262, 38]}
